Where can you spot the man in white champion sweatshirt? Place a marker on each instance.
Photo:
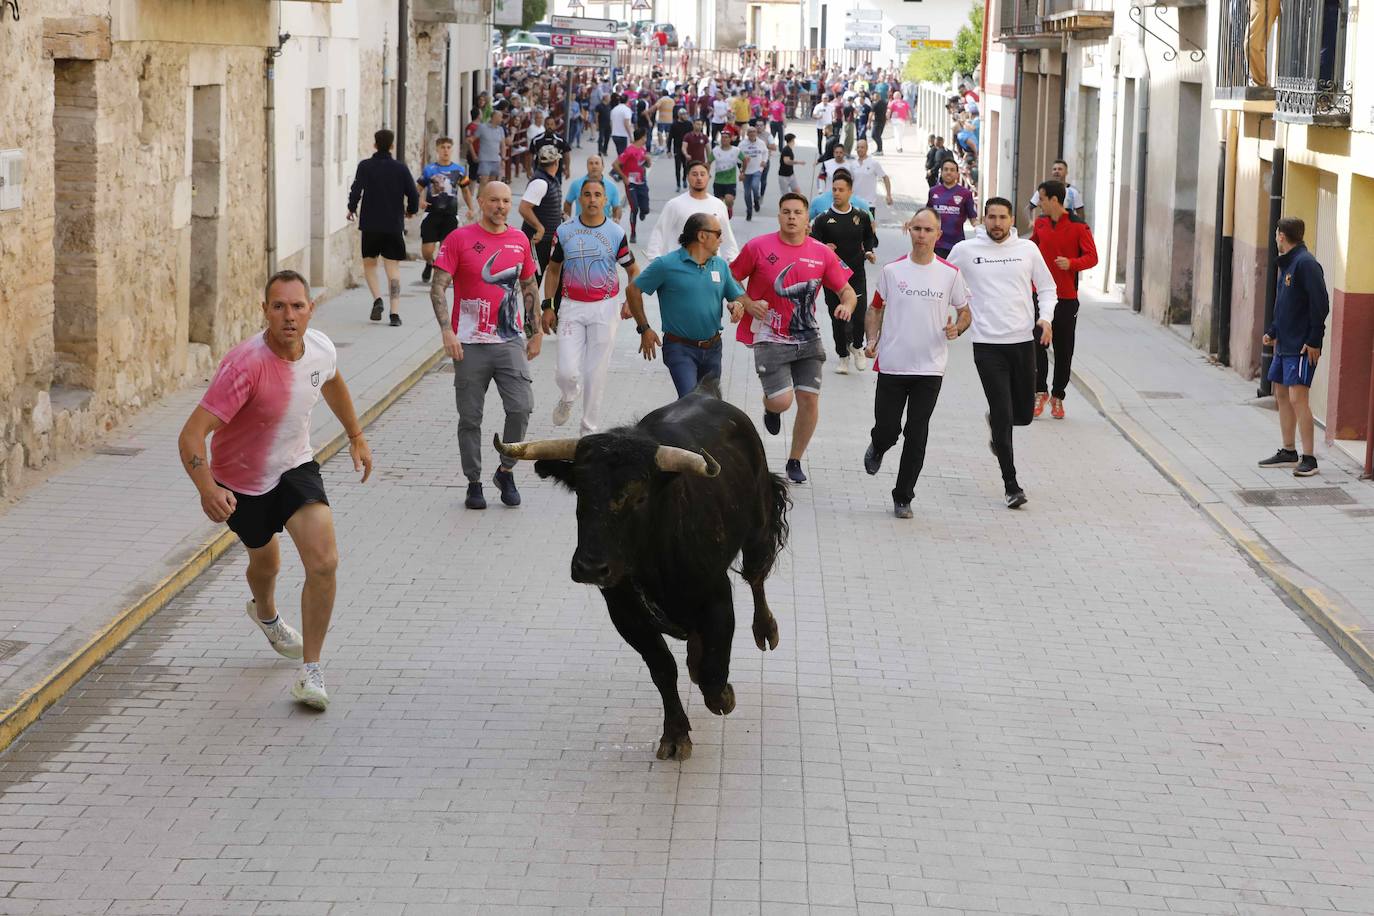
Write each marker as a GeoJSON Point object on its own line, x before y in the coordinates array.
{"type": "Point", "coordinates": [1002, 272]}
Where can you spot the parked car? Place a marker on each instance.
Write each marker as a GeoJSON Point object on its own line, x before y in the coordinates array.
{"type": "Point", "coordinates": [520, 40]}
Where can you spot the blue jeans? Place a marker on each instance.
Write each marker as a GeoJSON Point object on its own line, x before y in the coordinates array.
{"type": "Point", "coordinates": [575, 132]}
{"type": "Point", "coordinates": [639, 201]}
{"type": "Point", "coordinates": [753, 192]}
{"type": "Point", "coordinates": [688, 365]}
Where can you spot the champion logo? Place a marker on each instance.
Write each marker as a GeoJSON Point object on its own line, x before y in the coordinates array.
{"type": "Point", "coordinates": [997, 260]}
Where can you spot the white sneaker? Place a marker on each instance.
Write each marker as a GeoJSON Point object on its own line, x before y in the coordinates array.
{"type": "Point", "coordinates": [561, 412]}
{"type": "Point", "coordinates": [860, 359]}
{"type": "Point", "coordinates": [842, 367]}
{"type": "Point", "coordinates": [309, 689]}
{"type": "Point", "coordinates": [281, 635]}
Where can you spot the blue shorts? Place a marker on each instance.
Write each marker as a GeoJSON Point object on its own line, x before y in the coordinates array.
{"type": "Point", "coordinates": [1292, 370]}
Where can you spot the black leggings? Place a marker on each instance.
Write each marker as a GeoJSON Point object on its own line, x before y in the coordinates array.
{"type": "Point", "coordinates": [1064, 328]}
{"type": "Point", "coordinates": [1007, 372]}
{"type": "Point", "coordinates": [916, 394]}
{"type": "Point", "coordinates": [680, 168]}
{"type": "Point", "coordinates": [878, 133]}
{"type": "Point", "coordinates": [849, 332]}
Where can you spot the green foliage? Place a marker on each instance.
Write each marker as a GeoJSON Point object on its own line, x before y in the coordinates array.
{"type": "Point", "coordinates": [534, 11]}
{"type": "Point", "coordinates": [938, 65]}
{"type": "Point", "coordinates": [968, 44]}
{"type": "Point", "coordinates": [929, 65]}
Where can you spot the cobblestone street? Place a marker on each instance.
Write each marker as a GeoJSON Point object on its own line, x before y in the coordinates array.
{"type": "Point", "coordinates": [1091, 706]}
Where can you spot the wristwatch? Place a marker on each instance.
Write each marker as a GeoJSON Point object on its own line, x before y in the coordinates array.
{"type": "Point", "coordinates": [641, 328]}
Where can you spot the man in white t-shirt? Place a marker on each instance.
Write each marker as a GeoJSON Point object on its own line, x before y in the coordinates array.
{"type": "Point", "coordinates": [866, 172]}
{"type": "Point", "coordinates": [622, 124]}
{"type": "Point", "coordinates": [756, 153]}
{"type": "Point", "coordinates": [1073, 200]}
{"type": "Point", "coordinates": [696, 199]}
{"type": "Point", "coordinates": [920, 305]}
{"type": "Point", "coordinates": [720, 108]}
{"type": "Point", "coordinates": [821, 115]}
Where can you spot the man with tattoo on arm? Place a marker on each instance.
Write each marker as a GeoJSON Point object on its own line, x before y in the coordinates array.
{"type": "Point", "coordinates": [262, 476]}
{"type": "Point", "coordinates": [484, 332]}
{"type": "Point", "coordinates": [389, 197]}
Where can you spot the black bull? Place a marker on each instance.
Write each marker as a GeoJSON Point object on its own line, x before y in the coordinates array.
{"type": "Point", "coordinates": [663, 509]}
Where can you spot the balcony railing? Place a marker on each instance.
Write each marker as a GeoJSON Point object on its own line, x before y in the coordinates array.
{"type": "Point", "coordinates": [1234, 78]}
{"type": "Point", "coordinates": [1020, 17]}
{"type": "Point", "coordinates": [1077, 15]}
{"type": "Point", "coordinates": [1310, 85]}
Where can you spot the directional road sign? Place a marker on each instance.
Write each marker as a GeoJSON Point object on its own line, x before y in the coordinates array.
{"type": "Point", "coordinates": [914, 44]}
{"type": "Point", "coordinates": [582, 59]}
{"type": "Point", "coordinates": [585, 23]}
{"type": "Point", "coordinates": [904, 33]}
{"type": "Point", "coordinates": [580, 42]}
{"type": "Point", "coordinates": [852, 14]}
{"type": "Point", "coordinates": [862, 43]}
{"type": "Point", "coordinates": [863, 27]}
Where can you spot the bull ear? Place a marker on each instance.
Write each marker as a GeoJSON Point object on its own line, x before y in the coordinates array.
{"type": "Point", "coordinates": [560, 471]}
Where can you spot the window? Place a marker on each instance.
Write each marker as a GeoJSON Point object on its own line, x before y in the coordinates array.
{"type": "Point", "coordinates": [1311, 86]}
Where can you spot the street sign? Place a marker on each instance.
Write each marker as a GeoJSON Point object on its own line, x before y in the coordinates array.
{"type": "Point", "coordinates": [641, 5]}
{"type": "Point", "coordinates": [904, 33]}
{"type": "Point", "coordinates": [915, 44]}
{"type": "Point", "coordinates": [507, 12]}
{"type": "Point", "coordinates": [579, 42]}
{"type": "Point", "coordinates": [582, 59]}
{"type": "Point", "coordinates": [862, 43]}
{"type": "Point", "coordinates": [584, 23]}
{"type": "Point", "coordinates": [863, 27]}
{"type": "Point", "coordinates": [863, 14]}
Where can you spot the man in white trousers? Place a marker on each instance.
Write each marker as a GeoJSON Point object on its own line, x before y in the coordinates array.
{"type": "Point", "coordinates": [696, 199]}
{"type": "Point", "coordinates": [585, 255]}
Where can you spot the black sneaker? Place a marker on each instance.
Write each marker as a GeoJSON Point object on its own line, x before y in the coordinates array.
{"type": "Point", "coordinates": [475, 498]}
{"type": "Point", "coordinates": [1306, 467]}
{"type": "Point", "coordinates": [872, 460]}
{"type": "Point", "coordinates": [377, 309]}
{"type": "Point", "coordinates": [794, 471]}
{"type": "Point", "coordinates": [427, 272]}
{"type": "Point", "coordinates": [1016, 499]}
{"type": "Point", "coordinates": [395, 320]}
{"type": "Point", "coordinates": [505, 482]}
{"type": "Point", "coordinates": [901, 510]}
{"type": "Point", "coordinates": [1283, 458]}
{"type": "Point", "coordinates": [772, 422]}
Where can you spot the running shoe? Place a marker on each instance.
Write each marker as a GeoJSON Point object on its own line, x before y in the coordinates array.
{"type": "Point", "coordinates": [427, 272]}
{"type": "Point", "coordinates": [1016, 499]}
{"type": "Point", "coordinates": [859, 357]}
{"type": "Point", "coordinates": [377, 309]}
{"type": "Point", "coordinates": [794, 471]}
{"type": "Point", "coordinates": [395, 320]}
{"type": "Point", "coordinates": [1306, 467]}
{"type": "Point", "coordinates": [842, 367]}
{"type": "Point", "coordinates": [1057, 408]}
{"type": "Point", "coordinates": [872, 460]}
{"type": "Point", "coordinates": [1041, 398]}
{"type": "Point", "coordinates": [279, 634]}
{"type": "Point", "coordinates": [772, 422]}
{"type": "Point", "coordinates": [1283, 458]}
{"type": "Point", "coordinates": [505, 482]}
{"type": "Point", "coordinates": [309, 690]}
{"type": "Point", "coordinates": [561, 411]}
{"type": "Point", "coordinates": [475, 498]}
{"type": "Point", "coordinates": [901, 510]}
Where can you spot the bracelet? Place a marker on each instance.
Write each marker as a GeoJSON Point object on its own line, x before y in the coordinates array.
{"type": "Point", "coordinates": [356, 435]}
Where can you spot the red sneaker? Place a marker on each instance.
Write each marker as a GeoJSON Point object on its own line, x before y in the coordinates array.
{"type": "Point", "coordinates": [1057, 408]}
{"type": "Point", "coordinates": [1040, 398]}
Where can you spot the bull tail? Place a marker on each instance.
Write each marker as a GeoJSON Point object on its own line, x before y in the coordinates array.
{"type": "Point", "coordinates": [776, 528]}
{"type": "Point", "coordinates": [709, 386]}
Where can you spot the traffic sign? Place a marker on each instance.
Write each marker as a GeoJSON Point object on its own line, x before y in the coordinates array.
{"type": "Point", "coordinates": [915, 44]}
{"type": "Point", "coordinates": [852, 14]}
{"type": "Point", "coordinates": [582, 59]}
{"type": "Point", "coordinates": [863, 27]}
{"type": "Point", "coordinates": [641, 5]}
{"type": "Point", "coordinates": [905, 33]}
{"type": "Point", "coordinates": [862, 43]}
{"type": "Point", "coordinates": [579, 42]}
{"type": "Point", "coordinates": [585, 23]}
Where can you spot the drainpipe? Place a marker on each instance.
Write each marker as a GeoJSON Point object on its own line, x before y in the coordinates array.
{"type": "Point", "coordinates": [269, 114]}
{"type": "Point", "coordinates": [1218, 241]}
{"type": "Point", "coordinates": [1142, 152]}
{"type": "Point", "coordinates": [402, 73]}
{"type": "Point", "coordinates": [1271, 280]}
{"type": "Point", "coordinates": [1221, 307]}
{"type": "Point", "coordinates": [1113, 214]}
{"type": "Point", "coordinates": [1016, 131]}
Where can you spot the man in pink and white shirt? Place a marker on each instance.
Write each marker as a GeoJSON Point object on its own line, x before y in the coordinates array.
{"type": "Point", "coordinates": [784, 273]}
{"type": "Point", "coordinates": [491, 268]}
{"type": "Point", "coordinates": [921, 304]}
{"type": "Point", "coordinates": [899, 113]}
{"type": "Point", "coordinates": [262, 475]}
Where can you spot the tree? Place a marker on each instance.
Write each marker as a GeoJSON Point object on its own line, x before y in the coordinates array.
{"type": "Point", "coordinates": [937, 65]}
{"type": "Point", "coordinates": [531, 11]}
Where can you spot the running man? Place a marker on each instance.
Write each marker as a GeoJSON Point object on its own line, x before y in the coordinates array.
{"type": "Point", "coordinates": [389, 197]}
{"type": "Point", "coordinates": [493, 268]}
{"type": "Point", "coordinates": [787, 165]}
{"type": "Point", "coordinates": [783, 272]}
{"type": "Point", "coordinates": [726, 163]}
{"type": "Point", "coordinates": [1059, 171]}
{"type": "Point", "coordinates": [756, 153]}
{"type": "Point", "coordinates": [1003, 273]}
{"type": "Point", "coordinates": [541, 206]}
{"type": "Point", "coordinates": [848, 231]}
{"type": "Point", "coordinates": [1066, 243]}
{"type": "Point", "coordinates": [584, 257]}
{"type": "Point", "coordinates": [676, 212]}
{"type": "Point", "coordinates": [954, 202]}
{"type": "Point", "coordinates": [438, 180]}
{"type": "Point", "coordinates": [632, 167]}
{"type": "Point", "coordinates": [262, 476]}
{"type": "Point", "coordinates": [921, 304]}
{"type": "Point", "coordinates": [595, 169]}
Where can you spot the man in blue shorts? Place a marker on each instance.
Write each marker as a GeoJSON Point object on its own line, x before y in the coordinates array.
{"type": "Point", "coordinates": [1300, 309]}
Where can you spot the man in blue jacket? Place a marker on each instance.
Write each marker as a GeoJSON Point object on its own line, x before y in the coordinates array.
{"type": "Point", "coordinates": [389, 197]}
{"type": "Point", "coordinates": [1300, 310]}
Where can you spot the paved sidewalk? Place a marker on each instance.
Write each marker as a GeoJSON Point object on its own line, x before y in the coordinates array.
{"type": "Point", "coordinates": [1204, 427]}
{"type": "Point", "coordinates": [96, 537]}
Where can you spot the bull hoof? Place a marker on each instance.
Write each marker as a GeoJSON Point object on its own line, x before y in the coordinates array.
{"type": "Point", "coordinates": [720, 702]}
{"type": "Point", "coordinates": [766, 630]}
{"type": "Point", "coordinates": [670, 748]}
{"type": "Point", "coordinates": [694, 657]}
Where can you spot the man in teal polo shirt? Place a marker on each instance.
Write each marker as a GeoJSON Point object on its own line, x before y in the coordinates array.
{"type": "Point", "coordinates": [694, 281]}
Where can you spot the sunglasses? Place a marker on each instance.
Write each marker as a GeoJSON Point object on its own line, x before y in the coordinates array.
{"type": "Point", "coordinates": [710, 231]}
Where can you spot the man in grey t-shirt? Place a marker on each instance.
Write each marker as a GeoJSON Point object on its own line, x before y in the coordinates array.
{"type": "Point", "coordinates": [491, 148]}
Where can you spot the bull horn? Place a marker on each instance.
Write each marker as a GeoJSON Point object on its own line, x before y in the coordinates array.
{"type": "Point", "coordinates": [545, 449]}
{"type": "Point", "coordinates": [681, 460]}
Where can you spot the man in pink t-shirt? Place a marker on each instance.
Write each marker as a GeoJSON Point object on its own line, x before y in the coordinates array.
{"type": "Point", "coordinates": [784, 273]}
{"type": "Point", "coordinates": [491, 268]}
{"type": "Point", "coordinates": [632, 167]}
{"type": "Point", "coordinates": [899, 113]}
{"type": "Point", "coordinates": [262, 475]}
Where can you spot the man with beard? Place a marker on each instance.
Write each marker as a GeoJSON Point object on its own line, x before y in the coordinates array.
{"type": "Point", "coordinates": [484, 332]}
{"type": "Point", "coordinates": [784, 271]}
{"type": "Point", "coordinates": [663, 237]}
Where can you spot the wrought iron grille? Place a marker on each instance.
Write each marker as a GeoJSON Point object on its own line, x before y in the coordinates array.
{"type": "Point", "coordinates": [1311, 84]}
{"type": "Point", "coordinates": [1021, 17]}
{"type": "Point", "coordinates": [1055, 7]}
{"type": "Point", "coordinates": [1234, 80]}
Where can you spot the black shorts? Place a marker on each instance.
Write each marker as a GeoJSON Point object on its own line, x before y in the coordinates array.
{"type": "Point", "coordinates": [437, 224]}
{"type": "Point", "coordinates": [721, 190]}
{"type": "Point", "coordinates": [389, 245]}
{"type": "Point", "coordinates": [257, 519]}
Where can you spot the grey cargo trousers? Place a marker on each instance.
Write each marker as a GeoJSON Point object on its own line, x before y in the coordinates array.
{"type": "Point", "coordinates": [481, 364]}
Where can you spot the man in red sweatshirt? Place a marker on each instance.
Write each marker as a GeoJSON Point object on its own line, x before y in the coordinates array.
{"type": "Point", "coordinates": [1066, 243]}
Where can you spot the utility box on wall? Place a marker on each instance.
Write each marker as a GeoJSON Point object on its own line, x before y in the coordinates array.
{"type": "Point", "coordinates": [11, 179]}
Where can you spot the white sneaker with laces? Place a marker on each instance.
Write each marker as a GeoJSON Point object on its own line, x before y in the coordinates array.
{"type": "Point", "coordinates": [309, 689]}
{"type": "Point", "coordinates": [281, 635]}
{"type": "Point", "coordinates": [561, 411]}
{"type": "Point", "coordinates": [860, 359]}
{"type": "Point", "coordinates": [842, 367]}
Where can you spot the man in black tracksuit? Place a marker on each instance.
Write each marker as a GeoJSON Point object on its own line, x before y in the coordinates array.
{"type": "Point", "coordinates": [849, 231]}
{"type": "Point", "coordinates": [389, 196]}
